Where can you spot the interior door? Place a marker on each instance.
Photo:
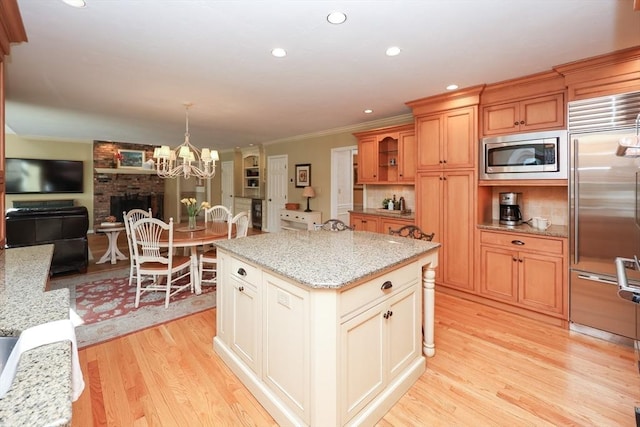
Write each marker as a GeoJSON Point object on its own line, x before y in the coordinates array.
{"type": "Point", "coordinates": [342, 182]}
{"type": "Point", "coordinates": [227, 184]}
{"type": "Point", "coordinates": [276, 190]}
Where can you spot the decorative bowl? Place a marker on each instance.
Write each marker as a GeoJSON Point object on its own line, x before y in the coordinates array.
{"type": "Point", "coordinates": [292, 206]}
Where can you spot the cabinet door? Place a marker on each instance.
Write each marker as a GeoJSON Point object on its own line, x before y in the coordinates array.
{"type": "Point", "coordinates": [460, 138]}
{"type": "Point", "coordinates": [387, 224]}
{"type": "Point", "coordinates": [364, 223]}
{"type": "Point", "coordinates": [540, 282]}
{"type": "Point", "coordinates": [501, 119]}
{"type": "Point", "coordinates": [362, 375]}
{"type": "Point", "coordinates": [407, 149]}
{"type": "Point", "coordinates": [545, 112]}
{"type": "Point", "coordinates": [246, 323]}
{"type": "Point", "coordinates": [367, 160]}
{"type": "Point", "coordinates": [404, 330]}
{"type": "Point", "coordinates": [429, 137]}
{"type": "Point", "coordinates": [499, 273]}
{"type": "Point", "coordinates": [458, 227]}
{"type": "Point", "coordinates": [429, 209]}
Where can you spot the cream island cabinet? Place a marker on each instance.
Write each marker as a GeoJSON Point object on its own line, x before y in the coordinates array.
{"type": "Point", "coordinates": [325, 328]}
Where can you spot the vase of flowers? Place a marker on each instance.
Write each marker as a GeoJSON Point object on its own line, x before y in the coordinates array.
{"type": "Point", "coordinates": [193, 209]}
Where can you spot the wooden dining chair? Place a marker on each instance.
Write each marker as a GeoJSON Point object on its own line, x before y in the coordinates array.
{"type": "Point", "coordinates": [333, 225]}
{"type": "Point", "coordinates": [154, 264]}
{"type": "Point", "coordinates": [219, 213]}
{"type": "Point", "coordinates": [413, 232]}
{"type": "Point", "coordinates": [209, 260]}
{"type": "Point", "coordinates": [129, 217]}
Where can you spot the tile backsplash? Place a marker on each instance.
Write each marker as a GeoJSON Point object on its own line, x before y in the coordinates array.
{"type": "Point", "coordinates": [547, 202]}
{"type": "Point", "coordinates": [375, 194]}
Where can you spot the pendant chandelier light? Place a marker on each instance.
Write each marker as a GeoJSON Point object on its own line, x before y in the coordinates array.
{"type": "Point", "coordinates": [185, 160]}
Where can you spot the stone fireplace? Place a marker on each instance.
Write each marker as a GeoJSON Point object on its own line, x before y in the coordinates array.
{"type": "Point", "coordinates": [117, 190]}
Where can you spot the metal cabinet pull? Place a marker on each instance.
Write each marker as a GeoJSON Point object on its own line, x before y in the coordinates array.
{"type": "Point", "coordinates": [517, 242]}
{"type": "Point", "coordinates": [241, 288]}
{"type": "Point", "coordinates": [386, 285]}
{"type": "Point", "coordinates": [242, 271]}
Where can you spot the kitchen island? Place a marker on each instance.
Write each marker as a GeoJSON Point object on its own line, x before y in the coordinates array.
{"type": "Point", "coordinates": [325, 328]}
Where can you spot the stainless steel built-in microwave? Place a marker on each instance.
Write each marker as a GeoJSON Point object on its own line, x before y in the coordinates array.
{"type": "Point", "coordinates": [541, 155]}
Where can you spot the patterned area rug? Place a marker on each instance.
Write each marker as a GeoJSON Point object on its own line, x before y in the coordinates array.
{"type": "Point", "coordinates": [103, 305]}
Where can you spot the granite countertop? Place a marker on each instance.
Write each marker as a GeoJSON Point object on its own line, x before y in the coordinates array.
{"type": "Point", "coordinates": [553, 231]}
{"type": "Point", "coordinates": [410, 216]}
{"type": "Point", "coordinates": [41, 391]}
{"type": "Point", "coordinates": [326, 259]}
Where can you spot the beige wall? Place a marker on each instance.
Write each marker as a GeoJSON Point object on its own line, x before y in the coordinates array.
{"type": "Point", "coordinates": [317, 152]}
{"type": "Point", "coordinates": [16, 146]}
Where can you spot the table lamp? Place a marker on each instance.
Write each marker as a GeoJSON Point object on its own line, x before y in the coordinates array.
{"type": "Point", "coordinates": [308, 192]}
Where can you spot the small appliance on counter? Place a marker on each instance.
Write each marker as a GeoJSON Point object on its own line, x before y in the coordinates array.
{"type": "Point", "coordinates": [510, 208]}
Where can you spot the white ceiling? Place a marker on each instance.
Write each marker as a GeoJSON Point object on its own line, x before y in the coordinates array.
{"type": "Point", "coordinates": [121, 70]}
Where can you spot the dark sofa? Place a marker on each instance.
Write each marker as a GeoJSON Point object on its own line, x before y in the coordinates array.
{"type": "Point", "coordinates": [66, 228]}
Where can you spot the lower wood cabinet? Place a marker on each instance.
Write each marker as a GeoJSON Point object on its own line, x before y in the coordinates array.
{"type": "Point", "coordinates": [527, 271]}
{"type": "Point", "coordinates": [364, 222]}
{"type": "Point", "coordinates": [377, 223]}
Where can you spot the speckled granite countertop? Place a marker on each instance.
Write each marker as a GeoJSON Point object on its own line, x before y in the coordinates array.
{"type": "Point", "coordinates": [411, 216]}
{"type": "Point", "coordinates": [41, 391]}
{"type": "Point", "coordinates": [553, 231]}
{"type": "Point", "coordinates": [326, 259]}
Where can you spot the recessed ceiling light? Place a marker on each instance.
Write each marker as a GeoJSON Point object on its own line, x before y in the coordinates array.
{"type": "Point", "coordinates": [75, 3]}
{"type": "Point", "coordinates": [368, 111]}
{"type": "Point", "coordinates": [452, 87]}
{"type": "Point", "coordinates": [279, 52]}
{"type": "Point", "coordinates": [393, 51]}
{"type": "Point", "coordinates": [336, 17]}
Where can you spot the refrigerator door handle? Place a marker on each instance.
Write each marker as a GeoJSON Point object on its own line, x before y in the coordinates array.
{"type": "Point", "coordinates": [597, 279]}
{"type": "Point", "coordinates": [574, 197]}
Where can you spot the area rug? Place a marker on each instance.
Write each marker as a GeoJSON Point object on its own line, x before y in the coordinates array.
{"type": "Point", "coordinates": [102, 305]}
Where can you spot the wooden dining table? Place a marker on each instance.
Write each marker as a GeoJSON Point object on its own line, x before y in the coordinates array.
{"type": "Point", "coordinates": [203, 234]}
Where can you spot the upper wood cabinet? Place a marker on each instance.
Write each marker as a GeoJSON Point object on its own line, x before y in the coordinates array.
{"type": "Point", "coordinates": [447, 139]}
{"type": "Point", "coordinates": [526, 104]}
{"type": "Point", "coordinates": [387, 155]}
{"type": "Point", "coordinates": [545, 112]}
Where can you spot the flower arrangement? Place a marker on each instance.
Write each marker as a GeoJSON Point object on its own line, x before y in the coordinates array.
{"type": "Point", "coordinates": [192, 206]}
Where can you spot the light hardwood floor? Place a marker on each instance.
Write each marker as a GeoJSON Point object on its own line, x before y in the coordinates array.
{"type": "Point", "coordinates": [491, 368]}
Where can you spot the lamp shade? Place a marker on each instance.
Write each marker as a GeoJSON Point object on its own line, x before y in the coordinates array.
{"type": "Point", "coordinates": [308, 192]}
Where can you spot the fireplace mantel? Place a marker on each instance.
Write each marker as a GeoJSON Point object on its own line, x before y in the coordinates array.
{"type": "Point", "coordinates": [121, 171]}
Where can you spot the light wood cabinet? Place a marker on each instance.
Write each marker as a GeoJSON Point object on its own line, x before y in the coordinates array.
{"type": "Point", "coordinates": [387, 155]}
{"type": "Point", "coordinates": [447, 140]}
{"type": "Point", "coordinates": [532, 114]}
{"type": "Point", "coordinates": [446, 201]}
{"type": "Point", "coordinates": [387, 224]}
{"type": "Point", "coordinates": [377, 223]}
{"type": "Point", "coordinates": [524, 270]}
{"type": "Point", "coordinates": [364, 222]}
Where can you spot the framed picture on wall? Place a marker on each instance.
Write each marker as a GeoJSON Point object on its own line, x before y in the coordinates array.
{"type": "Point", "coordinates": [303, 175]}
{"type": "Point", "coordinates": [130, 159]}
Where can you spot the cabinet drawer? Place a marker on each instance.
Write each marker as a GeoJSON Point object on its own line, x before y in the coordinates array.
{"type": "Point", "coordinates": [359, 297]}
{"type": "Point", "coordinates": [531, 243]}
{"type": "Point", "coordinates": [245, 271]}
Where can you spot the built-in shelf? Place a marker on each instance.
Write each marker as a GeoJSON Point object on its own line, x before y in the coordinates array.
{"type": "Point", "coordinates": [126, 171]}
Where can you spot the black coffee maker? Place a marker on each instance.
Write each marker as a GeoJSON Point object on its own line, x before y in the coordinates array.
{"type": "Point", "coordinates": [510, 208]}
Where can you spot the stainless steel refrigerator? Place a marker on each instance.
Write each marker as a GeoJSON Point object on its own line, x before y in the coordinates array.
{"type": "Point", "coordinates": [604, 212]}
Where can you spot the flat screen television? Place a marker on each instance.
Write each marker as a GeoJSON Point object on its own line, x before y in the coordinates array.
{"type": "Point", "coordinates": [25, 176]}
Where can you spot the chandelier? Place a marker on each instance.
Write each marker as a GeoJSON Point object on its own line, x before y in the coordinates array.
{"type": "Point", "coordinates": [185, 160]}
